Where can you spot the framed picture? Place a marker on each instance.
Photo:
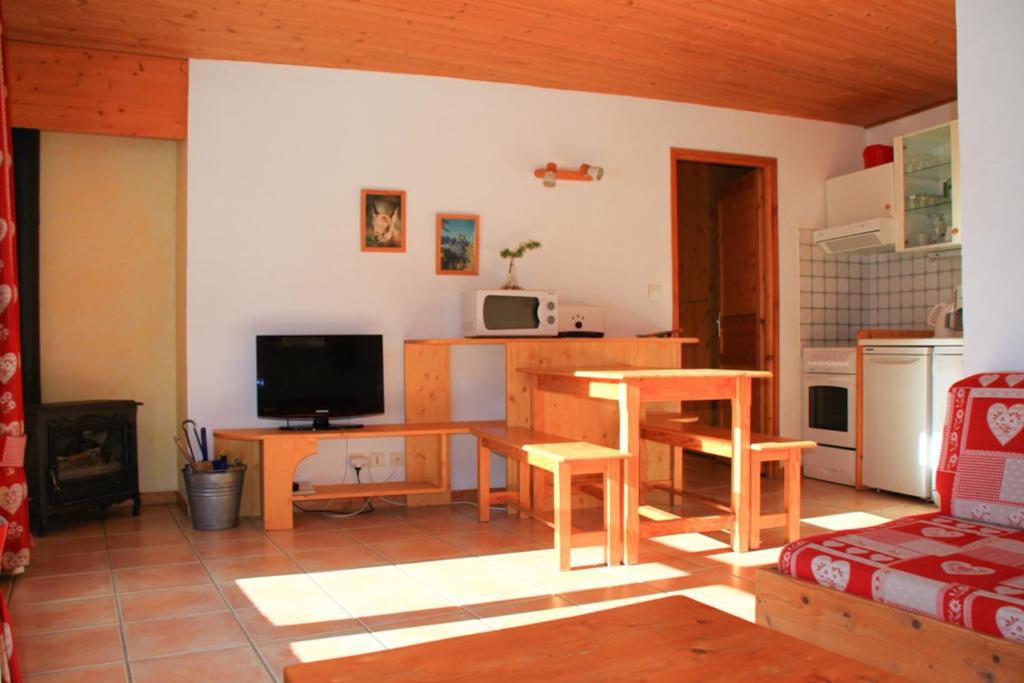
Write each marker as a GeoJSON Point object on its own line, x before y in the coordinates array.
{"type": "Point", "coordinates": [458, 244]}
{"type": "Point", "coordinates": [382, 221]}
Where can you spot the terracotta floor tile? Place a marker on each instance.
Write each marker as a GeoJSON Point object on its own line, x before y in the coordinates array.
{"type": "Point", "coordinates": [67, 649]}
{"type": "Point", "coordinates": [109, 673]}
{"type": "Point", "coordinates": [609, 593]}
{"type": "Point", "coordinates": [55, 565]}
{"type": "Point", "coordinates": [450, 524]}
{"type": "Point", "coordinates": [143, 539]}
{"type": "Point", "coordinates": [345, 557]}
{"type": "Point", "coordinates": [243, 530]}
{"type": "Point", "coordinates": [426, 630]}
{"type": "Point", "coordinates": [31, 618]}
{"type": "Point", "coordinates": [68, 587]}
{"type": "Point", "coordinates": [121, 525]}
{"type": "Point", "coordinates": [48, 546]}
{"type": "Point", "coordinates": [292, 541]}
{"type": "Point", "coordinates": [244, 546]}
{"type": "Point", "coordinates": [177, 635]}
{"type": "Point", "coordinates": [304, 523]}
{"type": "Point", "coordinates": [175, 602]}
{"type": "Point", "coordinates": [390, 532]}
{"type": "Point", "coordinates": [151, 556]}
{"type": "Point", "coordinates": [233, 665]}
{"type": "Point", "coordinates": [74, 529]}
{"type": "Point", "coordinates": [282, 653]}
{"type": "Point", "coordinates": [503, 607]}
{"type": "Point", "coordinates": [374, 519]}
{"type": "Point", "coordinates": [224, 571]}
{"type": "Point", "coordinates": [417, 550]}
{"type": "Point", "coordinates": [482, 542]}
{"type": "Point", "coordinates": [298, 621]}
{"type": "Point", "coordinates": [155, 578]}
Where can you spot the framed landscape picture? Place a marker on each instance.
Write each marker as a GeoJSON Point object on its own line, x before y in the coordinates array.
{"type": "Point", "coordinates": [383, 221]}
{"type": "Point", "coordinates": [458, 244]}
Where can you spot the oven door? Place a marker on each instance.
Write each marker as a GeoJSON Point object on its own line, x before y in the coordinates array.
{"type": "Point", "coordinates": [830, 409]}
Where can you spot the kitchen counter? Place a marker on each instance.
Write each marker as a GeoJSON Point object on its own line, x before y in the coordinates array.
{"type": "Point", "coordinates": [915, 341]}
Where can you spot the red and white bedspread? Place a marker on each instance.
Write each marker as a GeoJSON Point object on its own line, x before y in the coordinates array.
{"type": "Point", "coordinates": [964, 572]}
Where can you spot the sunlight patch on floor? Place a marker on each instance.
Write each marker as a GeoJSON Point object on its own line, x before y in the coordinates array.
{"type": "Point", "coordinates": [319, 649]}
{"type": "Point", "coordinates": [734, 601]}
{"type": "Point", "coordinates": [844, 521]}
{"type": "Point", "coordinates": [689, 543]}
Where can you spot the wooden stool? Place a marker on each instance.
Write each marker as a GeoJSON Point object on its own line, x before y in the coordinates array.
{"type": "Point", "coordinates": [718, 441]}
{"type": "Point", "coordinates": [563, 460]}
{"type": "Point", "coordinates": [507, 442]}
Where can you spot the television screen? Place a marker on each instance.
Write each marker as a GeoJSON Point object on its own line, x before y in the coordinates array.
{"type": "Point", "coordinates": [319, 376]}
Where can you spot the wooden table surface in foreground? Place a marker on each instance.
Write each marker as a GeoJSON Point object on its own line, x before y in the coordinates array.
{"type": "Point", "coordinates": [669, 639]}
{"type": "Point", "coordinates": [630, 388]}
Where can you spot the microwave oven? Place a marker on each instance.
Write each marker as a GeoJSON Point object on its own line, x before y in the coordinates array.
{"type": "Point", "coordinates": [509, 313]}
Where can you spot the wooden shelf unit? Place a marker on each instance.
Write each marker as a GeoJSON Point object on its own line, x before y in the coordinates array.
{"type": "Point", "coordinates": [369, 489]}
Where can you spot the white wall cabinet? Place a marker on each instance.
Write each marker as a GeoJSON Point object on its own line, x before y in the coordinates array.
{"type": "Point", "coordinates": [860, 196]}
{"type": "Point", "coordinates": [928, 189]}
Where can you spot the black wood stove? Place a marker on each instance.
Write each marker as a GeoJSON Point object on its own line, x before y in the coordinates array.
{"type": "Point", "coordinates": [80, 454]}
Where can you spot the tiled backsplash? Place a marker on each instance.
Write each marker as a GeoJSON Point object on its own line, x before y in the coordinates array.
{"type": "Point", "coordinates": [840, 295]}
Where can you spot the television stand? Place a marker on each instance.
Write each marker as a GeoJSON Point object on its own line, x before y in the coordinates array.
{"type": "Point", "coordinates": [320, 424]}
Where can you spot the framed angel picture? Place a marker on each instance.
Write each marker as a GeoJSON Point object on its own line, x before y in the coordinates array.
{"type": "Point", "coordinates": [458, 244]}
{"type": "Point", "coordinates": [383, 221]}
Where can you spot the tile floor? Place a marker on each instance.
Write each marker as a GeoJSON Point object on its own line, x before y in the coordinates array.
{"type": "Point", "coordinates": [148, 599]}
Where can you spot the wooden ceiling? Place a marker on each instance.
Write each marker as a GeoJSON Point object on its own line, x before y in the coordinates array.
{"type": "Point", "coordinates": [851, 61]}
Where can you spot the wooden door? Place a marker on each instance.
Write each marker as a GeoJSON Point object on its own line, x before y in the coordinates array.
{"type": "Point", "coordinates": [742, 283]}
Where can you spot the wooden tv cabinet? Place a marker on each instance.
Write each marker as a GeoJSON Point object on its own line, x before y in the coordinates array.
{"type": "Point", "coordinates": [279, 452]}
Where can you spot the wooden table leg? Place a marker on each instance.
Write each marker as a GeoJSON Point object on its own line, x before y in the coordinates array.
{"type": "Point", "coordinates": [629, 442]}
{"type": "Point", "coordinates": [563, 515]}
{"type": "Point", "coordinates": [644, 474]}
{"type": "Point", "coordinates": [755, 501]}
{"type": "Point", "coordinates": [677, 474]}
{"type": "Point", "coordinates": [613, 512]}
{"type": "Point", "coordinates": [792, 487]}
{"type": "Point", "coordinates": [741, 464]}
{"type": "Point", "coordinates": [483, 482]}
{"type": "Point", "coordinates": [524, 486]}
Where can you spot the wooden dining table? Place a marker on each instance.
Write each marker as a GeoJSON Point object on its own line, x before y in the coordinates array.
{"type": "Point", "coordinates": [630, 388]}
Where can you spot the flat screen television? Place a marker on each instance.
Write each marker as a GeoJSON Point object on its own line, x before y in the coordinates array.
{"type": "Point", "coordinates": [319, 376]}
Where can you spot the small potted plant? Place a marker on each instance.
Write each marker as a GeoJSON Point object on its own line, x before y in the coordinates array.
{"type": "Point", "coordinates": [511, 282]}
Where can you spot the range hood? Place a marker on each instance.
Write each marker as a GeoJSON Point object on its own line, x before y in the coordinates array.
{"type": "Point", "coordinates": [877, 234]}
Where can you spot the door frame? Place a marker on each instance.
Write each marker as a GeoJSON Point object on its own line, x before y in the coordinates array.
{"type": "Point", "coordinates": [769, 252]}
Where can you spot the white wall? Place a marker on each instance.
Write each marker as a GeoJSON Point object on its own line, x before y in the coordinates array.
{"type": "Point", "coordinates": [990, 70]}
{"type": "Point", "coordinates": [278, 154]}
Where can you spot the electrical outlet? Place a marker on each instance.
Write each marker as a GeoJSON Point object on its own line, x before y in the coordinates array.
{"type": "Point", "coordinates": [376, 460]}
{"type": "Point", "coordinates": [358, 460]}
{"type": "Point", "coordinates": [396, 459]}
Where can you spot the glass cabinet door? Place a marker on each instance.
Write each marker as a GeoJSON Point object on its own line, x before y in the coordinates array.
{"type": "Point", "coordinates": [929, 177]}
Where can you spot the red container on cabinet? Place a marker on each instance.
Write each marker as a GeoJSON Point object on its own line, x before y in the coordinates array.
{"type": "Point", "coordinates": [876, 155]}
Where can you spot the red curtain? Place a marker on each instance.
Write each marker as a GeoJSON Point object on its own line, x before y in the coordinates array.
{"type": "Point", "coordinates": [13, 488]}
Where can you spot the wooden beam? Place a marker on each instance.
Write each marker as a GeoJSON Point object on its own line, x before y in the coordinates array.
{"type": "Point", "coordinates": [97, 91]}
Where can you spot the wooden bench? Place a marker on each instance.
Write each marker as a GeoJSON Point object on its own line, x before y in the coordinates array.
{"type": "Point", "coordinates": [717, 441]}
{"type": "Point", "coordinates": [563, 459]}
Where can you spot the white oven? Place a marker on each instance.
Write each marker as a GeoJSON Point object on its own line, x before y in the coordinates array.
{"type": "Point", "coordinates": [829, 412]}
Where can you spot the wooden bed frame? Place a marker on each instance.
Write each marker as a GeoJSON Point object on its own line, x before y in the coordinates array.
{"type": "Point", "coordinates": [917, 647]}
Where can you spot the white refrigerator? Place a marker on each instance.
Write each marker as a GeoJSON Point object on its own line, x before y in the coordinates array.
{"type": "Point", "coordinates": [898, 419]}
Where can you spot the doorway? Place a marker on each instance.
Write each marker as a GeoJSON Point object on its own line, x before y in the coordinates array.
{"type": "Point", "coordinates": [724, 272]}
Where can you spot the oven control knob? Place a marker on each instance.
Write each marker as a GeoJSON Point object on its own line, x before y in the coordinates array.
{"type": "Point", "coordinates": [551, 320]}
{"type": "Point", "coordinates": [551, 305]}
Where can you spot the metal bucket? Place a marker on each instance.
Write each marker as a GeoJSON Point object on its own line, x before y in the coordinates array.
{"type": "Point", "coordinates": [214, 497]}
